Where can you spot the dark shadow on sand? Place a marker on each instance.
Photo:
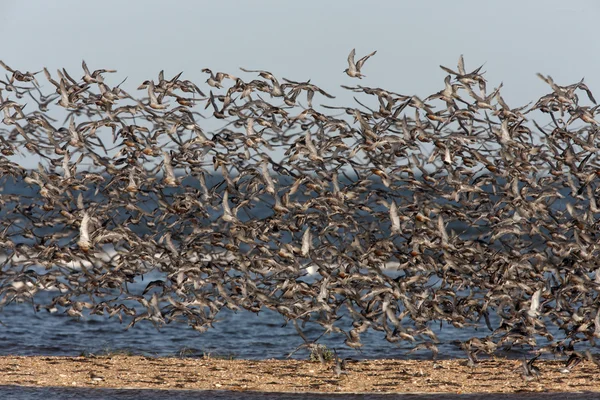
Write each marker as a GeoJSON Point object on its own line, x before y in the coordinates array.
{"type": "Point", "coordinates": [15, 392]}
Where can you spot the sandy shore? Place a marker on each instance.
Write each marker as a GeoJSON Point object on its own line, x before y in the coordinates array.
{"type": "Point", "coordinates": [373, 376]}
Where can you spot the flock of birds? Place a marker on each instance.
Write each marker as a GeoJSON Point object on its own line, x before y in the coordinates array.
{"type": "Point", "coordinates": [409, 212]}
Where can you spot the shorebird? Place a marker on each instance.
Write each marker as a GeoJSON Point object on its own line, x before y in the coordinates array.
{"type": "Point", "coordinates": [18, 75]}
{"type": "Point", "coordinates": [84, 241]}
{"type": "Point", "coordinates": [574, 359]}
{"type": "Point", "coordinates": [353, 69]}
{"type": "Point", "coordinates": [529, 371]}
{"type": "Point", "coordinates": [340, 365]}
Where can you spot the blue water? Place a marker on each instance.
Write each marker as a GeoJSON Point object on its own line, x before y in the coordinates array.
{"type": "Point", "coordinates": [245, 335]}
{"type": "Point", "coordinates": [25, 331]}
{"type": "Point", "coordinates": [240, 335]}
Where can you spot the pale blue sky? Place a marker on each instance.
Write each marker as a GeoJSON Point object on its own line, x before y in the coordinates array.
{"type": "Point", "coordinates": [311, 39]}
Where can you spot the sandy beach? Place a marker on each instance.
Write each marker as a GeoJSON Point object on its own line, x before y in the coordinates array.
{"type": "Point", "coordinates": [294, 376]}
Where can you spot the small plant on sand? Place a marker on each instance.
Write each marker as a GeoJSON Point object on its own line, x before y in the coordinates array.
{"type": "Point", "coordinates": [186, 352]}
{"type": "Point", "coordinates": [320, 353]}
{"type": "Point", "coordinates": [212, 356]}
{"type": "Point", "coordinates": [111, 352]}
{"type": "Point", "coordinates": [87, 354]}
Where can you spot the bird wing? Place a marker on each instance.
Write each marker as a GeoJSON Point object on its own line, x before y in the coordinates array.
{"type": "Point", "coordinates": [360, 62]}
{"type": "Point", "coordinates": [351, 58]}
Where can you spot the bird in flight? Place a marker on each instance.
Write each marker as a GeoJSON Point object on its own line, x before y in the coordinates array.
{"type": "Point", "coordinates": [353, 69]}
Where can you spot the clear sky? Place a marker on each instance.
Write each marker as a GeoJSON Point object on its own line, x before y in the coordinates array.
{"type": "Point", "coordinates": [310, 40]}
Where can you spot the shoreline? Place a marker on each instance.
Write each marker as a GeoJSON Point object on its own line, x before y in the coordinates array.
{"type": "Point", "coordinates": [294, 376]}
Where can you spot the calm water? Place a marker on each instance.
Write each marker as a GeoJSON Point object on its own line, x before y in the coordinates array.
{"type": "Point", "coordinates": [241, 335]}
{"type": "Point", "coordinates": [236, 334]}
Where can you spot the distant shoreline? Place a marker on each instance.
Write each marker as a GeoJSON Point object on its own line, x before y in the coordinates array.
{"type": "Point", "coordinates": [371, 376]}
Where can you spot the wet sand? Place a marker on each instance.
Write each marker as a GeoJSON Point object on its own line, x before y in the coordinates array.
{"type": "Point", "coordinates": [294, 376]}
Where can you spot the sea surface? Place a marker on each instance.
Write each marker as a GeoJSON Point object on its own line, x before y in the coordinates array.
{"type": "Point", "coordinates": [235, 335]}
{"type": "Point", "coordinates": [241, 334]}
{"type": "Point", "coordinates": [25, 331]}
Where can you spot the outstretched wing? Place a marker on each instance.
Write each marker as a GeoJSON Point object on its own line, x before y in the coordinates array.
{"type": "Point", "coordinates": [360, 62]}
